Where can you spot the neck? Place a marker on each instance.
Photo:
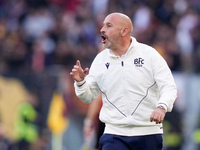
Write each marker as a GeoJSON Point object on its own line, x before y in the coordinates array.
{"type": "Point", "coordinates": [122, 47]}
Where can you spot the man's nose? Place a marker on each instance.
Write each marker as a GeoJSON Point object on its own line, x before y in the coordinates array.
{"type": "Point", "coordinates": [102, 30]}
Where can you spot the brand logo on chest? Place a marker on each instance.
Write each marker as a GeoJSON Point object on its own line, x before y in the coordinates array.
{"type": "Point", "coordinates": [107, 65]}
{"type": "Point", "coordinates": [138, 62]}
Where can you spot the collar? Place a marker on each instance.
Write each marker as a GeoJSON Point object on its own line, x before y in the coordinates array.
{"type": "Point", "coordinates": [130, 49]}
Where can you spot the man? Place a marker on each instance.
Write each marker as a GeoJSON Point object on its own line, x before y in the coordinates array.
{"type": "Point", "coordinates": [136, 84]}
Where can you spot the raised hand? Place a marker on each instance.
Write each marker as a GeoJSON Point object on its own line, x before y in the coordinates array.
{"type": "Point", "coordinates": [78, 73]}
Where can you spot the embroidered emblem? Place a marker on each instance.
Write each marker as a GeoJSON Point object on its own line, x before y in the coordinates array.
{"type": "Point", "coordinates": [138, 62]}
{"type": "Point", "coordinates": [107, 65]}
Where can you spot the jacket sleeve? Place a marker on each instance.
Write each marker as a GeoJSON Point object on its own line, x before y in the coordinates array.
{"type": "Point", "coordinates": [165, 82]}
{"type": "Point", "coordinates": [87, 90]}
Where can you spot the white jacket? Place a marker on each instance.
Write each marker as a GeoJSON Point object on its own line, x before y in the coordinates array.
{"type": "Point", "coordinates": [132, 87]}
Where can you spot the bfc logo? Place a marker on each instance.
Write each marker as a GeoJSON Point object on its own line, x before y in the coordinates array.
{"type": "Point", "coordinates": [138, 62]}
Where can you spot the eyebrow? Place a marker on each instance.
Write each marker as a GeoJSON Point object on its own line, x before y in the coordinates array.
{"type": "Point", "coordinates": [108, 23]}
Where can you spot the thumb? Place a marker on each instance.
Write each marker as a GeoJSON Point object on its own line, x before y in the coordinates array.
{"type": "Point", "coordinates": [86, 71]}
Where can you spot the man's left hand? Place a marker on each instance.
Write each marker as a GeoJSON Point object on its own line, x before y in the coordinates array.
{"type": "Point", "coordinates": [158, 115]}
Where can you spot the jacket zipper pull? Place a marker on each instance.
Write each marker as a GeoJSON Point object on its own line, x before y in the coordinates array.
{"type": "Point", "coordinates": [122, 63]}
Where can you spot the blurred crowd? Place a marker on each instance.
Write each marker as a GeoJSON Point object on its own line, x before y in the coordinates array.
{"type": "Point", "coordinates": [36, 35]}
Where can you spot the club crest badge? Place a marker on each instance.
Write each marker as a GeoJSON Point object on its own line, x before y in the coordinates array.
{"type": "Point", "coordinates": [138, 62]}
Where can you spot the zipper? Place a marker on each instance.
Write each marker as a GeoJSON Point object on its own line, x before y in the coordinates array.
{"type": "Point", "coordinates": [122, 63]}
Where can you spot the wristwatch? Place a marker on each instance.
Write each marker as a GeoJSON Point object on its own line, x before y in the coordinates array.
{"type": "Point", "coordinates": [161, 107]}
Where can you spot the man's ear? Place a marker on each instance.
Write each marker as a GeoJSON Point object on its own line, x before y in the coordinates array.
{"type": "Point", "coordinates": [124, 31]}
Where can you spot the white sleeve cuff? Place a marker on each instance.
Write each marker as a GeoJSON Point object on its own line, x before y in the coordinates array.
{"type": "Point", "coordinates": [81, 83]}
{"type": "Point", "coordinates": [164, 105]}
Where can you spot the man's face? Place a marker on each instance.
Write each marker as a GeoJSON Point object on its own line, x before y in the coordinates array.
{"type": "Point", "coordinates": [110, 32]}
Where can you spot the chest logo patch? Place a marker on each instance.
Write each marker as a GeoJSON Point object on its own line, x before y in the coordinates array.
{"type": "Point", "coordinates": [107, 65]}
{"type": "Point", "coordinates": [138, 62]}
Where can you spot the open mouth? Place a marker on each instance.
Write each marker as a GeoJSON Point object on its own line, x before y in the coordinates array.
{"type": "Point", "coordinates": [104, 38]}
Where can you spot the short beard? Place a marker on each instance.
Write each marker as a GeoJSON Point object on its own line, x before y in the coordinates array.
{"type": "Point", "coordinates": [106, 46]}
{"type": "Point", "coordinates": [111, 45]}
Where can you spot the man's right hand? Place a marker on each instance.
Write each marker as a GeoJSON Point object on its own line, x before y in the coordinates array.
{"type": "Point", "coordinates": [78, 73]}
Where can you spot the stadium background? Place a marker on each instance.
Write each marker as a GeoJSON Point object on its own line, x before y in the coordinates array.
{"type": "Point", "coordinates": [40, 40]}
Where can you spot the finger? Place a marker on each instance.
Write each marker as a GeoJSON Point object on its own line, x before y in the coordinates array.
{"type": "Point", "coordinates": [78, 63]}
{"type": "Point", "coordinates": [74, 70]}
{"type": "Point", "coordinates": [75, 66]}
{"type": "Point", "coordinates": [161, 119]}
{"type": "Point", "coordinates": [72, 73]}
{"type": "Point", "coordinates": [153, 117]}
{"type": "Point", "coordinates": [158, 121]}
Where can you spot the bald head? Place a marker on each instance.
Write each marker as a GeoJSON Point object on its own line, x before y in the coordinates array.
{"type": "Point", "coordinates": [116, 33]}
{"type": "Point", "coordinates": [122, 20]}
